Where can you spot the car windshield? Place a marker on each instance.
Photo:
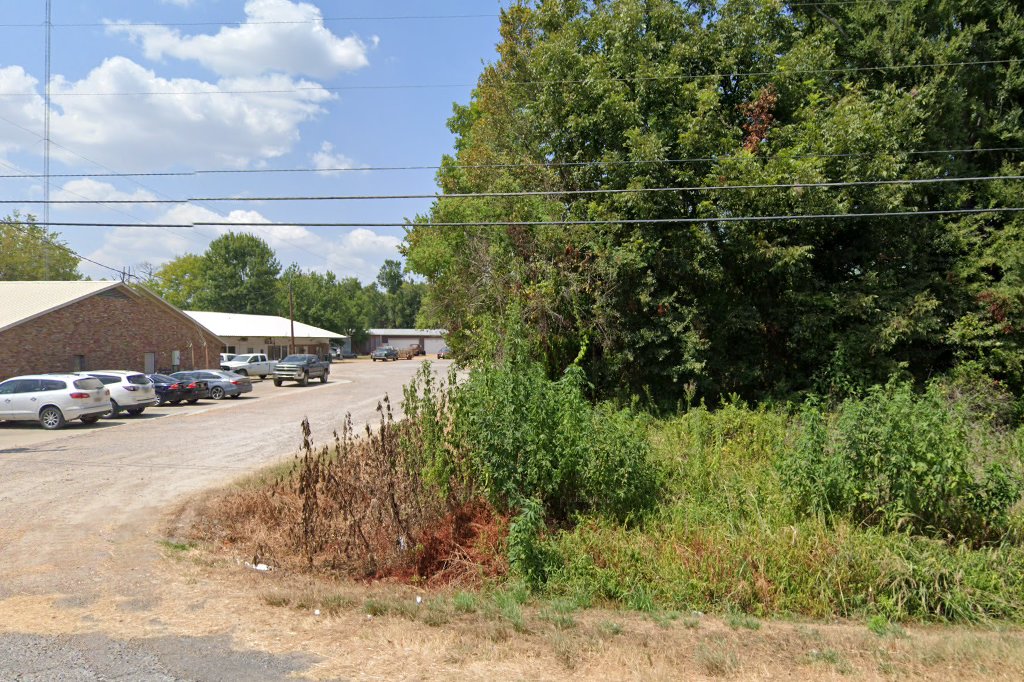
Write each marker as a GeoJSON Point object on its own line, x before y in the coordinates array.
{"type": "Point", "coordinates": [295, 358]}
{"type": "Point", "coordinates": [139, 379]}
{"type": "Point", "coordinates": [243, 358]}
{"type": "Point", "coordinates": [162, 379]}
{"type": "Point", "coordinates": [89, 384]}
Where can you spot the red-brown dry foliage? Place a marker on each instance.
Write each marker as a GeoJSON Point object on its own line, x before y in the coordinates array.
{"type": "Point", "coordinates": [360, 508]}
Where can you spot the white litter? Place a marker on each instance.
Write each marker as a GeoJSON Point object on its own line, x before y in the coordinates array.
{"type": "Point", "coordinates": [317, 612]}
{"type": "Point", "coordinates": [419, 600]}
{"type": "Point", "coordinates": [262, 567]}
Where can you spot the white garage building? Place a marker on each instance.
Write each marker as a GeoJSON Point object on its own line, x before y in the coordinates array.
{"type": "Point", "coordinates": [431, 340]}
{"type": "Point", "coordinates": [268, 334]}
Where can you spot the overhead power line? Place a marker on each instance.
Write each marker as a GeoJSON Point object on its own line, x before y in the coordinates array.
{"type": "Point", "coordinates": [407, 17]}
{"type": "Point", "coordinates": [63, 247]}
{"type": "Point", "coordinates": [572, 223]}
{"type": "Point", "coordinates": [579, 81]}
{"type": "Point", "coordinates": [551, 164]}
{"type": "Point", "coordinates": [539, 193]}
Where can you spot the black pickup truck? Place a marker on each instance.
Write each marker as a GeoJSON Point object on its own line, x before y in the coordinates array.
{"type": "Point", "coordinates": [301, 368]}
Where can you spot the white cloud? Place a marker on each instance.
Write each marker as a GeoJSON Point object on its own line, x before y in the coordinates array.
{"type": "Point", "coordinates": [89, 189]}
{"type": "Point", "coordinates": [150, 132]}
{"type": "Point", "coordinates": [353, 253]}
{"type": "Point", "coordinates": [22, 107]}
{"type": "Point", "coordinates": [278, 36]}
{"type": "Point", "coordinates": [327, 159]}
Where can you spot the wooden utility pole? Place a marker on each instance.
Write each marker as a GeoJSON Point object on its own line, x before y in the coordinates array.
{"type": "Point", "coordinates": [291, 316]}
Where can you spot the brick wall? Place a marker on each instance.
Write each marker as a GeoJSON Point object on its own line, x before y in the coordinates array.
{"type": "Point", "coordinates": [112, 330]}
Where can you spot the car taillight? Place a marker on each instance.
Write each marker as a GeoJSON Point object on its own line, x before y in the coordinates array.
{"type": "Point", "coordinates": [174, 387]}
{"type": "Point", "coordinates": [80, 396]}
{"type": "Point", "coordinates": [192, 385]}
{"type": "Point", "coordinates": [238, 382]}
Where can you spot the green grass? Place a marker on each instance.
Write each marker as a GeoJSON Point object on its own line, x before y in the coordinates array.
{"type": "Point", "coordinates": [177, 547]}
{"type": "Point", "coordinates": [726, 539]}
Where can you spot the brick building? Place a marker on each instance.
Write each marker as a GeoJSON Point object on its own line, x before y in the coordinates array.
{"type": "Point", "coordinates": [73, 326]}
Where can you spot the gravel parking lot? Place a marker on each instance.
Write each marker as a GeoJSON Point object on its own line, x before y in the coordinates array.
{"type": "Point", "coordinates": [82, 507]}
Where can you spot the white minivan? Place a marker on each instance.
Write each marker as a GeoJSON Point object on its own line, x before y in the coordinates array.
{"type": "Point", "coordinates": [53, 399]}
{"type": "Point", "coordinates": [132, 392]}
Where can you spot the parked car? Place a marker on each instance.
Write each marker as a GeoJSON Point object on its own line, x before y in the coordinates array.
{"type": "Point", "coordinates": [132, 392]}
{"type": "Point", "coordinates": [409, 353]}
{"type": "Point", "coordinates": [176, 391]}
{"type": "Point", "coordinates": [250, 364]}
{"type": "Point", "coordinates": [301, 368]}
{"type": "Point", "coordinates": [221, 384]}
{"type": "Point", "coordinates": [444, 353]}
{"type": "Point", "coordinates": [384, 353]}
{"type": "Point", "coordinates": [53, 399]}
{"type": "Point", "coordinates": [418, 348]}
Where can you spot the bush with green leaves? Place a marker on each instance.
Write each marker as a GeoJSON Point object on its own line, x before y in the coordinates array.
{"type": "Point", "coordinates": [906, 461]}
{"type": "Point", "coordinates": [528, 437]}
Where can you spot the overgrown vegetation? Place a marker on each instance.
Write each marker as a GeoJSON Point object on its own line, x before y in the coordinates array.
{"type": "Point", "coordinates": [899, 505]}
{"type": "Point", "coordinates": [594, 95]}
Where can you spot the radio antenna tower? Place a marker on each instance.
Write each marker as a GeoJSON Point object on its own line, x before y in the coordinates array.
{"type": "Point", "coordinates": [46, 142]}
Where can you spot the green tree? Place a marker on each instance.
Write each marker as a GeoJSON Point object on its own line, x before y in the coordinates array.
{"type": "Point", "coordinates": [32, 252]}
{"type": "Point", "coordinates": [612, 94]}
{"type": "Point", "coordinates": [241, 276]}
{"type": "Point", "coordinates": [181, 282]}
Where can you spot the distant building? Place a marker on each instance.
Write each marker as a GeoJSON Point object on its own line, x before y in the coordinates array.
{"type": "Point", "coordinates": [431, 340]}
{"type": "Point", "coordinates": [268, 334]}
{"type": "Point", "coordinates": [75, 326]}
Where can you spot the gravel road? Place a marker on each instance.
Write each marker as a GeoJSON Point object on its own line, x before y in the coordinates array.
{"type": "Point", "coordinates": [80, 512]}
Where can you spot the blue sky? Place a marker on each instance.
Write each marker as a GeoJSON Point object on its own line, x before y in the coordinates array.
{"type": "Point", "coordinates": [301, 50]}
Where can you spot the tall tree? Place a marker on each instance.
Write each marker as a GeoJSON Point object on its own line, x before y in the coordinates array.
{"type": "Point", "coordinates": [241, 276]}
{"type": "Point", "coordinates": [648, 94]}
{"type": "Point", "coordinates": [32, 252]}
{"type": "Point", "coordinates": [181, 282]}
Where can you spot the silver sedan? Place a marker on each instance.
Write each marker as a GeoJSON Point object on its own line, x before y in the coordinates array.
{"type": "Point", "coordinates": [222, 384]}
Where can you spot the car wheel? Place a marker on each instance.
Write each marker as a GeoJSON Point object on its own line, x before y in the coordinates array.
{"type": "Point", "coordinates": [135, 411]}
{"type": "Point", "coordinates": [277, 382]}
{"type": "Point", "coordinates": [91, 419]}
{"type": "Point", "coordinates": [217, 393]}
{"type": "Point", "coordinates": [115, 409]}
{"type": "Point", "coordinates": [51, 418]}
{"type": "Point", "coordinates": [175, 402]}
{"type": "Point", "coordinates": [262, 377]}
{"type": "Point", "coordinates": [243, 372]}
{"type": "Point", "coordinates": [304, 381]}
{"type": "Point", "coordinates": [323, 378]}
{"type": "Point", "coordinates": [192, 401]}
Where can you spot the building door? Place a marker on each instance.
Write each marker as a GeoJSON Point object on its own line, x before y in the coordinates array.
{"type": "Point", "coordinates": [150, 362]}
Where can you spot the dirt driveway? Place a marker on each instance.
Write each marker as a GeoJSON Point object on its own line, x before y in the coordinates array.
{"type": "Point", "coordinates": [81, 511]}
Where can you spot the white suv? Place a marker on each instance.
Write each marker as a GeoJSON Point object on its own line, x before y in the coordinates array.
{"type": "Point", "coordinates": [132, 392]}
{"type": "Point", "coordinates": [53, 399]}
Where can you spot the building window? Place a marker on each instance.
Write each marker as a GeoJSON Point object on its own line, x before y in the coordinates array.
{"type": "Point", "coordinates": [78, 363]}
{"type": "Point", "coordinates": [384, 340]}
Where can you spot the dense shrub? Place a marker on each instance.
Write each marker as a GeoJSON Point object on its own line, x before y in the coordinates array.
{"type": "Point", "coordinates": [901, 460]}
{"type": "Point", "coordinates": [526, 437]}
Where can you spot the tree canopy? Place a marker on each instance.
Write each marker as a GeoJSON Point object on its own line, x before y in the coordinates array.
{"type": "Point", "coordinates": [649, 94]}
{"type": "Point", "coordinates": [31, 252]}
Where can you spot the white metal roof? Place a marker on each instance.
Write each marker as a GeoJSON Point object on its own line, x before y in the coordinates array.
{"type": "Point", "coordinates": [408, 332]}
{"type": "Point", "coordinates": [253, 326]}
{"type": "Point", "coordinates": [23, 301]}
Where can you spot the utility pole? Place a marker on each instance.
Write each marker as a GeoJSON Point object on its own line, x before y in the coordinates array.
{"type": "Point", "coordinates": [291, 316]}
